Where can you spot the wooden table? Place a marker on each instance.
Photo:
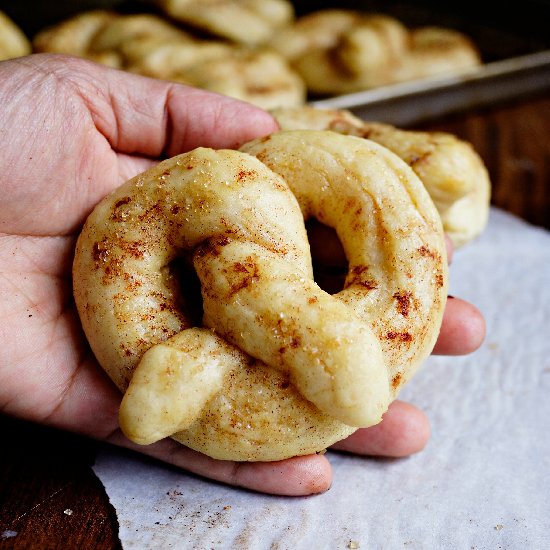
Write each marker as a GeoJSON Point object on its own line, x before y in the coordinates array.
{"type": "Point", "coordinates": [49, 495]}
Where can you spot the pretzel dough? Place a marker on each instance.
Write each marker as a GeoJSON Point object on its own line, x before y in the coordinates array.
{"type": "Point", "coordinates": [451, 170]}
{"type": "Point", "coordinates": [277, 367]}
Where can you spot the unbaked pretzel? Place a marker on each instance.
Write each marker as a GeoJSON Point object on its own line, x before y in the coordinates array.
{"type": "Point", "coordinates": [453, 173]}
{"type": "Point", "coordinates": [277, 367]}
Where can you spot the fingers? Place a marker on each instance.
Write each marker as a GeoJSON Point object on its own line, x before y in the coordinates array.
{"type": "Point", "coordinates": [297, 476]}
{"type": "Point", "coordinates": [404, 430]}
{"type": "Point", "coordinates": [154, 118]}
{"type": "Point", "coordinates": [462, 329]}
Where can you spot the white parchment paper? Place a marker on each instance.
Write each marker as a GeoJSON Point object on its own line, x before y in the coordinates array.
{"type": "Point", "coordinates": [481, 483]}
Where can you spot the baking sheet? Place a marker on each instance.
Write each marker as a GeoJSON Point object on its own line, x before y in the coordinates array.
{"type": "Point", "coordinates": [481, 483]}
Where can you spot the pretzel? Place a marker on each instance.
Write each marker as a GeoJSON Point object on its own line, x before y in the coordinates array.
{"type": "Point", "coordinates": [102, 35]}
{"type": "Point", "coordinates": [276, 367]}
{"type": "Point", "coordinates": [339, 51]}
{"type": "Point", "coordinates": [125, 28]}
{"type": "Point", "coordinates": [320, 29]}
{"type": "Point", "coordinates": [169, 59]}
{"type": "Point", "coordinates": [436, 51]}
{"type": "Point", "coordinates": [152, 46]}
{"type": "Point", "coordinates": [453, 173]}
{"type": "Point", "coordinates": [259, 77]}
{"type": "Point", "coordinates": [365, 55]}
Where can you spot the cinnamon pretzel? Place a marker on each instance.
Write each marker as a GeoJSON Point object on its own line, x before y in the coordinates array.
{"type": "Point", "coordinates": [273, 366]}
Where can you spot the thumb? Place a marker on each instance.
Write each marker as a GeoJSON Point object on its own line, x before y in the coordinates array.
{"type": "Point", "coordinates": [155, 118]}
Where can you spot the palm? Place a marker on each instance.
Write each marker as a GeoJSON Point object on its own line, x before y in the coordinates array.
{"type": "Point", "coordinates": [46, 202]}
{"type": "Point", "coordinates": [45, 354]}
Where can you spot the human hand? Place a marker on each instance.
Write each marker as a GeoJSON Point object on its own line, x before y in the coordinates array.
{"type": "Point", "coordinates": [72, 132]}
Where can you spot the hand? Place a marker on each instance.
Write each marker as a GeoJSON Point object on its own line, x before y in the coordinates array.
{"type": "Point", "coordinates": [72, 131]}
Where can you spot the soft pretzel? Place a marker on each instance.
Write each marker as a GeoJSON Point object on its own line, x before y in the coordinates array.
{"type": "Point", "coordinates": [150, 45]}
{"type": "Point", "coordinates": [365, 55]}
{"type": "Point", "coordinates": [453, 173]}
{"type": "Point", "coordinates": [318, 30]}
{"type": "Point", "coordinates": [277, 367]}
{"type": "Point", "coordinates": [338, 51]}
{"type": "Point", "coordinates": [263, 78]}
{"type": "Point", "coordinates": [13, 42]}
{"type": "Point", "coordinates": [108, 37]}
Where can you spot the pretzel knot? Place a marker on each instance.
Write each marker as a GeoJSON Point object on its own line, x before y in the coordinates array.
{"type": "Point", "coordinates": [276, 367]}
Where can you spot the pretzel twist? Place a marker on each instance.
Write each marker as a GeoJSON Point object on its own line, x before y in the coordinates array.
{"type": "Point", "coordinates": [277, 367]}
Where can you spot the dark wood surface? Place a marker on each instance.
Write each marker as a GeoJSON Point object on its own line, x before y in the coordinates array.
{"type": "Point", "coordinates": [49, 495]}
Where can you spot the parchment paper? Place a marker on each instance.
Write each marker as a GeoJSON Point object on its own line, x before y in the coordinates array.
{"type": "Point", "coordinates": [481, 483]}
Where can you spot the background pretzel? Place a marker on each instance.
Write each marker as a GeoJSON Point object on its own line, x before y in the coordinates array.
{"type": "Point", "coordinates": [453, 173]}
{"type": "Point", "coordinates": [277, 367]}
{"type": "Point", "coordinates": [260, 19]}
{"type": "Point", "coordinates": [339, 51]}
{"type": "Point", "coordinates": [154, 45]}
